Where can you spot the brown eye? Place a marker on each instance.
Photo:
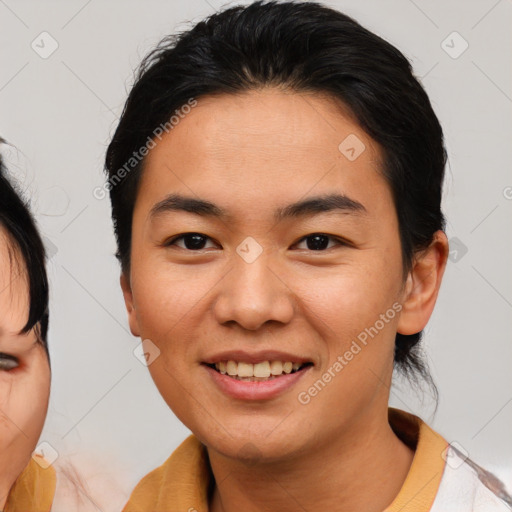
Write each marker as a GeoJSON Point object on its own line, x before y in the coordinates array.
{"type": "Point", "coordinates": [191, 241]}
{"type": "Point", "coordinates": [320, 241]}
{"type": "Point", "coordinates": [8, 362]}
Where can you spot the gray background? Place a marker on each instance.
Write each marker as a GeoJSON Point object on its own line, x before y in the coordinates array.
{"type": "Point", "coordinates": [59, 112]}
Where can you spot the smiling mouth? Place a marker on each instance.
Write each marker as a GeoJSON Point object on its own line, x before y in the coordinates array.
{"type": "Point", "coordinates": [264, 371]}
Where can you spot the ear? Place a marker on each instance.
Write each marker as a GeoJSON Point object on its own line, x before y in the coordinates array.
{"type": "Point", "coordinates": [422, 286]}
{"type": "Point", "coordinates": [128, 301]}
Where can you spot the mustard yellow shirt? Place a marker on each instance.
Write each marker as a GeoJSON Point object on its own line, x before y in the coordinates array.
{"type": "Point", "coordinates": [34, 489]}
{"type": "Point", "coordinates": [440, 478]}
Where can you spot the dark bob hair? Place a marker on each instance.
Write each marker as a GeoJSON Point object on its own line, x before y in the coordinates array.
{"type": "Point", "coordinates": [301, 47]}
{"type": "Point", "coordinates": [26, 242]}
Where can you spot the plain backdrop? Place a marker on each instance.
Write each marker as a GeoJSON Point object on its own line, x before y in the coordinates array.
{"type": "Point", "coordinates": [59, 111]}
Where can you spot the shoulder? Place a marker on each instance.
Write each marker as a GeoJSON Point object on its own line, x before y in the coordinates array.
{"type": "Point", "coordinates": [441, 477]}
{"type": "Point", "coordinates": [34, 489]}
{"type": "Point", "coordinates": [182, 480]}
{"type": "Point", "coordinates": [467, 486]}
{"type": "Point", "coordinates": [188, 455]}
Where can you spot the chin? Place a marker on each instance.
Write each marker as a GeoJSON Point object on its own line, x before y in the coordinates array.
{"type": "Point", "coordinates": [250, 446]}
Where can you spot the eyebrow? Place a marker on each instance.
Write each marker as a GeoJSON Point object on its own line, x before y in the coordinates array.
{"type": "Point", "coordinates": [306, 207]}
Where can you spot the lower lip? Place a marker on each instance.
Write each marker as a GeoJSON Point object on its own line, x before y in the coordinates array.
{"type": "Point", "coordinates": [255, 390]}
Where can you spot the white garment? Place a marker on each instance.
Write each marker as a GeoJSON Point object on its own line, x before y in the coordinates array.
{"type": "Point", "coordinates": [466, 487]}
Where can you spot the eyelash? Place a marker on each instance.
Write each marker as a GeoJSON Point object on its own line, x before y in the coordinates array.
{"type": "Point", "coordinates": [12, 362]}
{"type": "Point", "coordinates": [340, 241]}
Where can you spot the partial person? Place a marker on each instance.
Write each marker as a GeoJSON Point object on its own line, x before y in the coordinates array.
{"type": "Point", "coordinates": [27, 481]}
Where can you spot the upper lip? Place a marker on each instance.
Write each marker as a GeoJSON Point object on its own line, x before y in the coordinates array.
{"type": "Point", "coordinates": [255, 357]}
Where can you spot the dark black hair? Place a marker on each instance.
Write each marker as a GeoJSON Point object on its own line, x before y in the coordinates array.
{"type": "Point", "coordinates": [16, 218]}
{"type": "Point", "coordinates": [303, 47]}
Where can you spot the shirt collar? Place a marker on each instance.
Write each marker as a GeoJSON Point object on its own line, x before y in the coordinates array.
{"type": "Point", "coordinates": [185, 479]}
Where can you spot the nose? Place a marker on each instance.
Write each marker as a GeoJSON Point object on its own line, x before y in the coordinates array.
{"type": "Point", "coordinates": [253, 294]}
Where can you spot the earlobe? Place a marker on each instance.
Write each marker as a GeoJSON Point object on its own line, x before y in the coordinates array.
{"type": "Point", "coordinates": [422, 286]}
{"type": "Point", "coordinates": [129, 303]}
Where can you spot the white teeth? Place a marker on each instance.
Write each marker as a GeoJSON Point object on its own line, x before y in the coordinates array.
{"type": "Point", "coordinates": [261, 369]}
{"type": "Point", "coordinates": [265, 369]}
{"type": "Point", "coordinates": [231, 368]}
{"type": "Point", "coordinates": [276, 367]}
{"type": "Point", "coordinates": [245, 370]}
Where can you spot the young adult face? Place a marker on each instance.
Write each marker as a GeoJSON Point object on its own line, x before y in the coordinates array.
{"type": "Point", "coordinates": [252, 154]}
{"type": "Point", "coordinates": [24, 371]}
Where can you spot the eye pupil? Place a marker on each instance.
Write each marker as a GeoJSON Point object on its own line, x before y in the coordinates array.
{"type": "Point", "coordinates": [319, 242]}
{"type": "Point", "coordinates": [197, 241]}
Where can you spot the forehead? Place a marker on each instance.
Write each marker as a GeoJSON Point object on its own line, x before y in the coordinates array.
{"type": "Point", "coordinates": [14, 294]}
{"type": "Point", "coordinates": [260, 146]}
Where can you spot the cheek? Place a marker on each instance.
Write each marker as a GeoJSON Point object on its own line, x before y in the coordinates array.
{"type": "Point", "coordinates": [24, 399]}
{"type": "Point", "coordinates": [350, 299]}
{"type": "Point", "coordinates": [32, 395]}
{"type": "Point", "coordinates": [167, 305]}
{"type": "Point", "coordinates": [357, 344]}
{"type": "Point", "coordinates": [163, 294]}
{"type": "Point", "coordinates": [171, 302]}
{"type": "Point", "coordinates": [355, 312]}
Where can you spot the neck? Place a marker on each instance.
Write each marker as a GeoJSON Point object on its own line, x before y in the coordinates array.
{"type": "Point", "coordinates": [336, 475]}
